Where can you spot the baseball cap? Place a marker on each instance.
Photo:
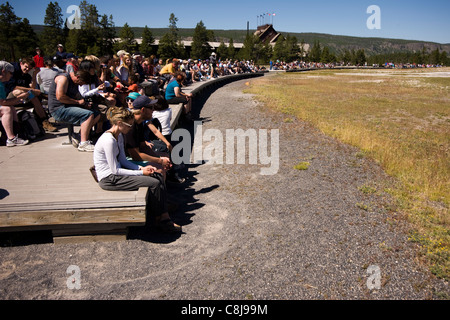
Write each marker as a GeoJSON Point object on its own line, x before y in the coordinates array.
{"type": "Point", "coordinates": [122, 52]}
{"type": "Point", "coordinates": [143, 102]}
{"type": "Point", "coordinates": [133, 95]}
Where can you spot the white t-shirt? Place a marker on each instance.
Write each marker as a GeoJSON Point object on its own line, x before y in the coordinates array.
{"type": "Point", "coordinates": [110, 158]}
{"type": "Point", "coordinates": [164, 117]}
{"type": "Point", "coordinates": [88, 90]}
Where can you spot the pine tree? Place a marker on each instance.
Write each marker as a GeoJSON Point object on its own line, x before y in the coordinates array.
{"type": "Point", "coordinates": [292, 48]}
{"type": "Point", "coordinates": [90, 28]}
{"type": "Point", "coordinates": [107, 33]}
{"type": "Point", "coordinates": [26, 39]}
{"type": "Point", "coordinates": [444, 60]}
{"type": "Point", "coordinates": [279, 52]}
{"type": "Point", "coordinates": [346, 56]}
{"type": "Point", "coordinates": [200, 46]}
{"type": "Point", "coordinates": [231, 49]}
{"type": "Point", "coordinates": [73, 41]}
{"type": "Point", "coordinates": [127, 41]}
{"type": "Point", "coordinates": [147, 42]}
{"type": "Point", "coordinates": [360, 57]}
{"type": "Point", "coordinates": [325, 56]}
{"type": "Point", "coordinates": [248, 51]}
{"type": "Point", "coordinates": [170, 44]}
{"type": "Point", "coordinates": [9, 23]}
{"type": "Point", "coordinates": [268, 52]}
{"type": "Point", "coordinates": [435, 57]}
{"type": "Point", "coordinates": [53, 32]}
{"type": "Point", "coordinates": [316, 52]}
{"type": "Point", "coordinates": [222, 51]}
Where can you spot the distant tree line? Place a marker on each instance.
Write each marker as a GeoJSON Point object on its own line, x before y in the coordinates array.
{"type": "Point", "coordinates": [97, 36]}
{"type": "Point", "coordinates": [435, 57]}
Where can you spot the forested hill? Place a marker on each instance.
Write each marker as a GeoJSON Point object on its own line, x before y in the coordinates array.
{"type": "Point", "coordinates": [336, 43]}
{"type": "Point", "coordinates": [371, 46]}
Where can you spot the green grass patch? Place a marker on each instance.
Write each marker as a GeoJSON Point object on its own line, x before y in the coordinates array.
{"type": "Point", "coordinates": [302, 166]}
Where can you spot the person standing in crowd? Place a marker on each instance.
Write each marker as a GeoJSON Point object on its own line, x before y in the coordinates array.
{"type": "Point", "coordinates": [60, 52]}
{"type": "Point", "coordinates": [213, 65]}
{"type": "Point", "coordinates": [38, 60]}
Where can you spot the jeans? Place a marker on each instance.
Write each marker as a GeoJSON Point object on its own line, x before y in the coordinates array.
{"type": "Point", "coordinates": [72, 114]}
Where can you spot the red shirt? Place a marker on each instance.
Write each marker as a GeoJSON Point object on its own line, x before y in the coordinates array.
{"type": "Point", "coordinates": [38, 61]}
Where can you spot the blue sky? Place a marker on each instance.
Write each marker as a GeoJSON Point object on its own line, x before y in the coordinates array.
{"type": "Point", "coordinates": [400, 19]}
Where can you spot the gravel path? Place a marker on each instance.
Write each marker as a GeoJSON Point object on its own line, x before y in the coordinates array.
{"type": "Point", "coordinates": [299, 234]}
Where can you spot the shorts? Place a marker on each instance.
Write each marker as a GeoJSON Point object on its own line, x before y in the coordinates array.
{"type": "Point", "coordinates": [177, 100]}
{"type": "Point", "coordinates": [72, 114]}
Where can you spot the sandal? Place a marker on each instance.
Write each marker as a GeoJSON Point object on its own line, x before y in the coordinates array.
{"type": "Point", "coordinates": [168, 226]}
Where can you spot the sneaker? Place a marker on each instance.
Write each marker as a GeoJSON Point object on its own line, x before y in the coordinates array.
{"type": "Point", "coordinates": [16, 142]}
{"type": "Point", "coordinates": [86, 146]}
{"type": "Point", "coordinates": [48, 126]}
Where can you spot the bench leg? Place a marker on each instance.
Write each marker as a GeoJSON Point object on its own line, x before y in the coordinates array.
{"type": "Point", "coordinates": [69, 134]}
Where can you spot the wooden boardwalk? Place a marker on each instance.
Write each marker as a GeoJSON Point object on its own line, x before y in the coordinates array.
{"type": "Point", "coordinates": [47, 185]}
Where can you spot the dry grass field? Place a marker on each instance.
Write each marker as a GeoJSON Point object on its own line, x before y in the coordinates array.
{"type": "Point", "coordinates": [400, 118]}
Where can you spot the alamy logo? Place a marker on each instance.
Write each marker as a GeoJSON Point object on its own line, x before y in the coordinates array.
{"type": "Point", "coordinates": [74, 281]}
{"type": "Point", "coordinates": [233, 142]}
{"type": "Point", "coordinates": [374, 21]}
{"type": "Point", "coordinates": [374, 279]}
{"type": "Point", "coordinates": [74, 21]}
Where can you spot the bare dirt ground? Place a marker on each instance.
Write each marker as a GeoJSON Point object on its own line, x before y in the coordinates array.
{"type": "Point", "coordinates": [296, 235]}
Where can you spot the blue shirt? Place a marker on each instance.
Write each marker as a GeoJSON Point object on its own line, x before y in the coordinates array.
{"type": "Point", "coordinates": [170, 89]}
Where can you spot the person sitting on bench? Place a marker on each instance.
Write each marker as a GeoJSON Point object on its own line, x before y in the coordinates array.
{"type": "Point", "coordinates": [7, 110]}
{"type": "Point", "coordinates": [21, 82]}
{"type": "Point", "coordinates": [115, 172]}
{"type": "Point", "coordinates": [66, 105]}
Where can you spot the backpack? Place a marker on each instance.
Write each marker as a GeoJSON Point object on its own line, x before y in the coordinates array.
{"type": "Point", "coordinates": [30, 128]}
{"type": "Point", "coordinates": [150, 87]}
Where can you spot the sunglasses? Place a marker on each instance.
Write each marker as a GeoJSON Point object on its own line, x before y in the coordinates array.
{"type": "Point", "coordinates": [127, 124]}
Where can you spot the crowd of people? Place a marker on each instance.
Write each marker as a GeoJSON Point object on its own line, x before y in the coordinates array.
{"type": "Point", "coordinates": [299, 65]}
{"type": "Point", "coordinates": [96, 83]}
{"type": "Point", "coordinates": [121, 104]}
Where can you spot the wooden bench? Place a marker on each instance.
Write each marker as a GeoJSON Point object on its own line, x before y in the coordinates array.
{"type": "Point", "coordinates": [48, 186]}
